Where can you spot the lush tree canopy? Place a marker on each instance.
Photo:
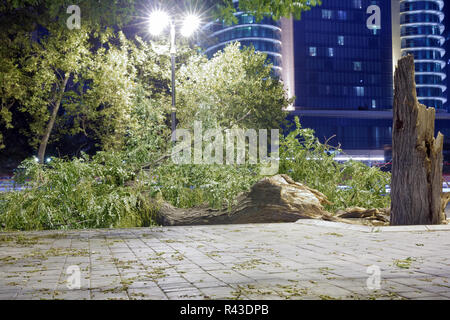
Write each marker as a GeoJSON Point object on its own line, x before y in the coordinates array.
{"type": "Point", "coordinates": [233, 89]}
{"type": "Point", "coordinates": [84, 80]}
{"type": "Point", "coordinates": [43, 63]}
{"type": "Point", "coordinates": [225, 9]}
{"type": "Point", "coordinates": [64, 69]}
{"type": "Point", "coordinates": [276, 9]}
{"type": "Point", "coordinates": [28, 14]}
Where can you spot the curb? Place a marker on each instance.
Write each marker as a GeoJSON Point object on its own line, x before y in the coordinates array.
{"type": "Point", "coordinates": [370, 229]}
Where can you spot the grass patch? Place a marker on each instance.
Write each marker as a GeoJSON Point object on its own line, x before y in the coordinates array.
{"type": "Point", "coordinates": [404, 263]}
{"type": "Point", "coordinates": [334, 234]}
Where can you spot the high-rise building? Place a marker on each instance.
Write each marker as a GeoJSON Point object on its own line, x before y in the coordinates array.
{"type": "Point", "coordinates": [422, 35]}
{"type": "Point", "coordinates": [447, 52]}
{"type": "Point", "coordinates": [330, 59]}
{"type": "Point", "coordinates": [271, 37]}
{"type": "Point", "coordinates": [265, 36]}
{"type": "Point", "coordinates": [338, 61]}
{"type": "Point", "coordinates": [341, 61]}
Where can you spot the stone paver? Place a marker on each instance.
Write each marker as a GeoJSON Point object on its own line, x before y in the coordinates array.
{"type": "Point", "coordinates": [303, 260]}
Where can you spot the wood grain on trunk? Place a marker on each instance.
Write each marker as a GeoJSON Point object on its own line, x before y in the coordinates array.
{"type": "Point", "coordinates": [271, 200]}
{"type": "Point", "coordinates": [416, 186]}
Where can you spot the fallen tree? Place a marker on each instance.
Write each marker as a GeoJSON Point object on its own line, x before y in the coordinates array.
{"type": "Point", "coordinates": [271, 200]}
{"type": "Point", "coordinates": [274, 200]}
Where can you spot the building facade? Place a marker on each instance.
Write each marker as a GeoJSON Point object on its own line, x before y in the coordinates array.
{"type": "Point", "coordinates": [339, 64]}
{"type": "Point", "coordinates": [330, 59]}
{"type": "Point", "coordinates": [422, 35]}
{"type": "Point", "coordinates": [275, 38]}
{"type": "Point", "coordinates": [265, 36]}
{"type": "Point", "coordinates": [447, 53]}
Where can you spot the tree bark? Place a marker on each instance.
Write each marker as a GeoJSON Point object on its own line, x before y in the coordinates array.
{"type": "Point", "coordinates": [271, 200]}
{"type": "Point", "coordinates": [416, 186]}
{"type": "Point", "coordinates": [51, 123]}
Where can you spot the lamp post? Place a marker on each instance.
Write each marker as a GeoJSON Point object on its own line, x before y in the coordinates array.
{"type": "Point", "coordinates": [159, 20]}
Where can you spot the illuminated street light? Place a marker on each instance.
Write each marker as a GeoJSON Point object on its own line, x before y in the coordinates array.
{"type": "Point", "coordinates": [190, 25]}
{"type": "Point", "coordinates": [158, 21]}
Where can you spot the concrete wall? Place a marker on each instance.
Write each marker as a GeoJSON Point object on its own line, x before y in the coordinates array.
{"type": "Point", "coordinates": [396, 41]}
{"type": "Point", "coordinates": [287, 50]}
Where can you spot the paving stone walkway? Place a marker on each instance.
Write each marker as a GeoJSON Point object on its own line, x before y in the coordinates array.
{"type": "Point", "coordinates": [303, 260]}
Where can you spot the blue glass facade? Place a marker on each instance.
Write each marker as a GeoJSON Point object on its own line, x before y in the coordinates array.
{"type": "Point", "coordinates": [361, 131]}
{"type": "Point", "coordinates": [421, 35]}
{"type": "Point", "coordinates": [341, 64]}
{"type": "Point", "coordinates": [350, 132]}
{"type": "Point", "coordinates": [342, 67]}
{"type": "Point", "coordinates": [447, 53]}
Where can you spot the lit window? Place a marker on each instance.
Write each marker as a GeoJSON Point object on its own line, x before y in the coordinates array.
{"type": "Point", "coordinates": [357, 4]}
{"type": "Point", "coordinates": [342, 15]}
{"type": "Point", "coordinates": [359, 91]}
{"type": "Point", "coordinates": [341, 40]}
{"type": "Point", "coordinates": [374, 104]}
{"type": "Point", "coordinates": [357, 66]}
{"type": "Point", "coordinates": [327, 14]}
{"type": "Point", "coordinates": [312, 51]}
{"type": "Point", "coordinates": [331, 52]}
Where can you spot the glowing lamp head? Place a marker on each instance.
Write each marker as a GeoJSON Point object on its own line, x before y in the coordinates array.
{"type": "Point", "coordinates": [190, 25]}
{"type": "Point", "coordinates": [158, 21]}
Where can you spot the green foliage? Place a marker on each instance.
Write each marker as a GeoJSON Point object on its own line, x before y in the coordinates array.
{"type": "Point", "coordinates": [121, 96]}
{"type": "Point", "coordinates": [103, 89]}
{"type": "Point", "coordinates": [108, 190]}
{"type": "Point", "coordinates": [275, 9]}
{"type": "Point", "coordinates": [82, 193]}
{"type": "Point", "coordinates": [44, 66]}
{"type": "Point", "coordinates": [39, 70]}
{"type": "Point", "coordinates": [226, 9]}
{"type": "Point", "coordinates": [103, 97]}
{"type": "Point", "coordinates": [187, 186]}
{"type": "Point", "coordinates": [10, 90]}
{"type": "Point", "coordinates": [147, 134]}
{"type": "Point", "coordinates": [235, 88]}
{"type": "Point", "coordinates": [94, 85]}
{"type": "Point", "coordinates": [27, 14]}
{"type": "Point", "coordinates": [308, 161]}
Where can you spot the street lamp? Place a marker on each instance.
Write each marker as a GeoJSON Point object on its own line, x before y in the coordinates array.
{"type": "Point", "coordinates": [158, 22]}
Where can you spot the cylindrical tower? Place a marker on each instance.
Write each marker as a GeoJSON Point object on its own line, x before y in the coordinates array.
{"type": "Point", "coordinates": [421, 35]}
{"type": "Point", "coordinates": [265, 36]}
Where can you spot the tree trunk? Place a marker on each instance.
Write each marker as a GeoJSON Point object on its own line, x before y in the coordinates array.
{"type": "Point", "coordinates": [271, 200]}
{"type": "Point", "coordinates": [416, 185]}
{"type": "Point", "coordinates": [51, 123]}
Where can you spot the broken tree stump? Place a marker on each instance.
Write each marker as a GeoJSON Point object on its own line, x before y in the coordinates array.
{"type": "Point", "coordinates": [416, 185]}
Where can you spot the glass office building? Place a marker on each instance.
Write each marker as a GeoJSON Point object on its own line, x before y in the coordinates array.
{"type": "Point", "coordinates": [447, 52]}
{"type": "Point", "coordinates": [341, 63]}
{"type": "Point", "coordinates": [447, 59]}
{"type": "Point", "coordinates": [264, 36]}
{"type": "Point", "coordinates": [422, 35]}
{"type": "Point", "coordinates": [329, 60]}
